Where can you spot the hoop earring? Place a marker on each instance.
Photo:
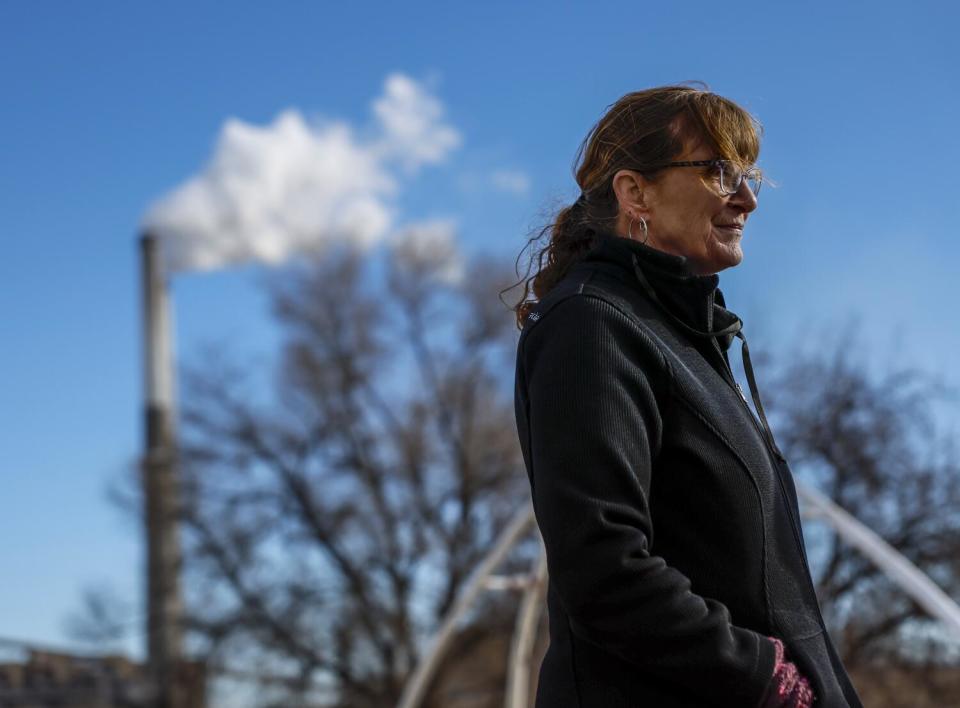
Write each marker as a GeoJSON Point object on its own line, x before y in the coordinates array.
{"type": "Point", "coordinates": [643, 225]}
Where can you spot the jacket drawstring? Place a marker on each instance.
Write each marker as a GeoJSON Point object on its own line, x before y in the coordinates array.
{"type": "Point", "coordinates": [755, 393]}
{"type": "Point", "coordinates": [732, 329]}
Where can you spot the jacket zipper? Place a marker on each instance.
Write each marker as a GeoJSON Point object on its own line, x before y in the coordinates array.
{"type": "Point", "coordinates": [783, 490]}
{"type": "Point", "coordinates": [772, 455]}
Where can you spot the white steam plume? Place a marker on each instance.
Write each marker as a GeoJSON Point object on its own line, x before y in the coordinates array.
{"type": "Point", "coordinates": [268, 192]}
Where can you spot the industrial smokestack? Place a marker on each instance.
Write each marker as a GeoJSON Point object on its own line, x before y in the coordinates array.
{"type": "Point", "coordinates": [268, 193]}
{"type": "Point", "coordinates": [160, 482]}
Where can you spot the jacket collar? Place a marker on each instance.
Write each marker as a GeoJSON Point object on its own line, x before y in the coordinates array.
{"type": "Point", "coordinates": [696, 300]}
{"type": "Point", "coordinates": [693, 301]}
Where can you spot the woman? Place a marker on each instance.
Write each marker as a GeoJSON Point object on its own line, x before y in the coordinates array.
{"type": "Point", "coordinates": [678, 574]}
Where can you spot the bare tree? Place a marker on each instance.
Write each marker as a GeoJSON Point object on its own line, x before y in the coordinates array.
{"type": "Point", "coordinates": [102, 620]}
{"type": "Point", "coordinates": [330, 522]}
{"type": "Point", "coordinates": [871, 443]}
{"type": "Point", "coordinates": [332, 518]}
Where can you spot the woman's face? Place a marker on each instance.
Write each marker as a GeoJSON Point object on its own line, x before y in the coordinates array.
{"type": "Point", "coordinates": [686, 213]}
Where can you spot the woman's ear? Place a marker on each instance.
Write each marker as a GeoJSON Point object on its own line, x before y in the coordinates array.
{"type": "Point", "coordinates": [631, 190]}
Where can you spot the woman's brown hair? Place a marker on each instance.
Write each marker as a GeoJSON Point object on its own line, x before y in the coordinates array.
{"type": "Point", "coordinates": [642, 129]}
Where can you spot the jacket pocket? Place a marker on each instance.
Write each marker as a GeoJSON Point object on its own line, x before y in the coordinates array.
{"type": "Point", "coordinates": [805, 641]}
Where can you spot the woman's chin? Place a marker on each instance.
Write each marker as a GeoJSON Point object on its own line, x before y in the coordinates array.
{"type": "Point", "coordinates": [726, 255]}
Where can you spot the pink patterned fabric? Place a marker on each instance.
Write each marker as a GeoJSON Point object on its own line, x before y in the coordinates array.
{"type": "Point", "coordinates": [789, 688]}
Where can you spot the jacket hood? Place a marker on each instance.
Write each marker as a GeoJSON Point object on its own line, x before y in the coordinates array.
{"type": "Point", "coordinates": [696, 300]}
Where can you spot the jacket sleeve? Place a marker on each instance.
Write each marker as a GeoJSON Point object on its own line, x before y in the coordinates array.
{"type": "Point", "coordinates": [594, 430]}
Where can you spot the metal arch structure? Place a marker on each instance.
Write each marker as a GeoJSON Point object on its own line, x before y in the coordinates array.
{"type": "Point", "coordinates": [905, 574]}
{"type": "Point", "coordinates": [416, 686]}
{"type": "Point", "coordinates": [909, 577]}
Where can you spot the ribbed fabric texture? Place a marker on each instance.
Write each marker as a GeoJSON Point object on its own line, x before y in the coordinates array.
{"type": "Point", "coordinates": [789, 689]}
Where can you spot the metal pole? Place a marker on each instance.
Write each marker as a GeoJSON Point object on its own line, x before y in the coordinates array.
{"type": "Point", "coordinates": [524, 636]}
{"type": "Point", "coordinates": [416, 687]}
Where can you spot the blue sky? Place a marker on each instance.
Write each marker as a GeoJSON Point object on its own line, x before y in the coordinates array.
{"type": "Point", "coordinates": [106, 107]}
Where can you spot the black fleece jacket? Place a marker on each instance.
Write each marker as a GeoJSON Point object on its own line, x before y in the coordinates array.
{"type": "Point", "coordinates": [669, 516]}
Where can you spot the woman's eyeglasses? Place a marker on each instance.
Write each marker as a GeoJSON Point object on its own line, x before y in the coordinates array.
{"type": "Point", "coordinates": [730, 176]}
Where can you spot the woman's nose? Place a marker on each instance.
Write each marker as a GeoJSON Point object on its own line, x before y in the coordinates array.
{"type": "Point", "coordinates": [744, 197]}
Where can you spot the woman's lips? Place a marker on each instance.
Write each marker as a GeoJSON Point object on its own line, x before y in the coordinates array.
{"type": "Point", "coordinates": [729, 233]}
